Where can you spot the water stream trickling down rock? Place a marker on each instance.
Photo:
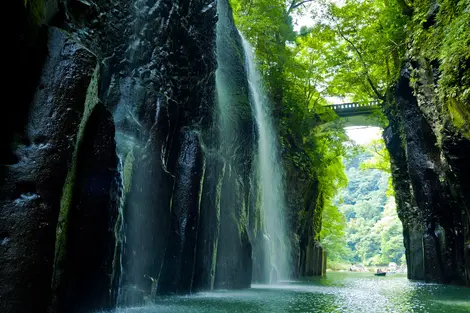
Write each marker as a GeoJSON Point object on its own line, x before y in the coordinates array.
{"type": "Point", "coordinates": [141, 159]}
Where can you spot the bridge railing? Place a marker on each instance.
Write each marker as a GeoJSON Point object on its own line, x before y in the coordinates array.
{"type": "Point", "coordinates": [354, 106]}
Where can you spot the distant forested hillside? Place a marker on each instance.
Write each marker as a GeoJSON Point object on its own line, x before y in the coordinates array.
{"type": "Point", "coordinates": [373, 232]}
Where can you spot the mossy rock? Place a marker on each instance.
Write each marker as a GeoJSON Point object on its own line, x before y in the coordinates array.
{"type": "Point", "coordinates": [128, 170]}
{"type": "Point", "coordinates": [35, 10]}
{"type": "Point", "coordinates": [460, 117]}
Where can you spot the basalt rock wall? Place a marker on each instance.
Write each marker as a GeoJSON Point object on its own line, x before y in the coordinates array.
{"type": "Point", "coordinates": [122, 175]}
{"type": "Point", "coordinates": [429, 142]}
{"type": "Point", "coordinates": [427, 155]}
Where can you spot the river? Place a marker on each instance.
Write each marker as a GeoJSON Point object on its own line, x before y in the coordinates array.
{"type": "Point", "coordinates": [338, 292]}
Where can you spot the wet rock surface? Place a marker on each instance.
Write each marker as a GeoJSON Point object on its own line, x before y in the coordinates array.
{"type": "Point", "coordinates": [209, 224]}
{"type": "Point", "coordinates": [150, 186]}
{"type": "Point", "coordinates": [156, 57]}
{"type": "Point", "coordinates": [88, 261]}
{"type": "Point", "coordinates": [237, 148]}
{"type": "Point", "coordinates": [431, 192]}
{"type": "Point", "coordinates": [32, 188]}
{"type": "Point", "coordinates": [180, 255]}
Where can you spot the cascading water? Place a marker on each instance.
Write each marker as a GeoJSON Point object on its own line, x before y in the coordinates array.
{"type": "Point", "coordinates": [235, 130]}
{"type": "Point", "coordinates": [155, 203]}
{"type": "Point", "coordinates": [138, 251]}
{"type": "Point", "coordinates": [270, 174]}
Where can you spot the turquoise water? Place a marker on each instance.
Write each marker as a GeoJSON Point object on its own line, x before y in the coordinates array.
{"type": "Point", "coordinates": [339, 292]}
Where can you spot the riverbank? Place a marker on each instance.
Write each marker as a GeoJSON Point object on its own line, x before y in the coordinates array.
{"type": "Point", "coordinates": [346, 267]}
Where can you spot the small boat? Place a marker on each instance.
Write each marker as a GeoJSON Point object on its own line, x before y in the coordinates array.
{"type": "Point", "coordinates": [380, 274]}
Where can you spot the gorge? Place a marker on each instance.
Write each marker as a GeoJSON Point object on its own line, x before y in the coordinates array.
{"type": "Point", "coordinates": [150, 152]}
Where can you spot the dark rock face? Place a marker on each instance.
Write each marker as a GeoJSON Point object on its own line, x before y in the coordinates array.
{"type": "Point", "coordinates": [129, 179]}
{"type": "Point", "coordinates": [209, 224]}
{"type": "Point", "coordinates": [32, 189]}
{"type": "Point", "coordinates": [162, 94]}
{"type": "Point", "coordinates": [178, 267]}
{"type": "Point", "coordinates": [456, 150]}
{"type": "Point", "coordinates": [304, 203]}
{"type": "Point", "coordinates": [234, 262]}
{"type": "Point", "coordinates": [407, 209]}
{"type": "Point", "coordinates": [88, 261]}
{"type": "Point", "coordinates": [26, 58]}
{"type": "Point", "coordinates": [431, 190]}
{"type": "Point", "coordinates": [146, 219]}
{"type": "Point", "coordinates": [306, 230]}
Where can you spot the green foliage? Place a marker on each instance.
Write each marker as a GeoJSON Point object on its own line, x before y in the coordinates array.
{"type": "Point", "coordinates": [373, 230]}
{"type": "Point", "coordinates": [333, 235]}
{"type": "Point", "coordinates": [295, 73]}
{"type": "Point", "coordinates": [355, 52]}
{"type": "Point", "coordinates": [337, 265]}
{"type": "Point", "coordinates": [364, 47]}
{"type": "Point", "coordinates": [440, 33]}
{"type": "Point", "coordinates": [380, 160]}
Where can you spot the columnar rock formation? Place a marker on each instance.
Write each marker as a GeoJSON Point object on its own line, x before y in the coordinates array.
{"type": "Point", "coordinates": [431, 184]}
{"type": "Point", "coordinates": [124, 173]}
{"type": "Point", "coordinates": [79, 221]}
{"type": "Point", "coordinates": [429, 144]}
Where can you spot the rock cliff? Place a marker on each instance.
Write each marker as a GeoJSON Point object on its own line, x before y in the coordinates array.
{"type": "Point", "coordinates": [429, 144]}
{"type": "Point", "coordinates": [123, 174]}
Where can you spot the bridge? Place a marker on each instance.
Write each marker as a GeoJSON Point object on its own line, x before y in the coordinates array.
{"type": "Point", "coordinates": [355, 108]}
{"type": "Point", "coordinates": [357, 114]}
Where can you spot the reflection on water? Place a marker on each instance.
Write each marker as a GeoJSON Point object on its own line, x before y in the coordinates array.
{"type": "Point", "coordinates": [339, 292]}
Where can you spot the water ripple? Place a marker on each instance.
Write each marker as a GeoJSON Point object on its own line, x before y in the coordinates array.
{"type": "Point", "coordinates": [338, 293]}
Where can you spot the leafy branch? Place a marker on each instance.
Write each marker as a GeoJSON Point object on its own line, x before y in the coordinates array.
{"type": "Point", "coordinates": [364, 64]}
{"type": "Point", "coordinates": [296, 3]}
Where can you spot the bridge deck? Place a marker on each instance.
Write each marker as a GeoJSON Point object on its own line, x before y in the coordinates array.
{"type": "Point", "coordinates": [355, 108]}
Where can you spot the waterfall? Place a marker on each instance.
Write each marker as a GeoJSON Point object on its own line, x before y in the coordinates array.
{"type": "Point", "coordinates": [139, 250]}
{"type": "Point", "coordinates": [128, 146]}
{"type": "Point", "coordinates": [186, 208]}
{"type": "Point", "coordinates": [270, 174]}
{"type": "Point", "coordinates": [235, 130]}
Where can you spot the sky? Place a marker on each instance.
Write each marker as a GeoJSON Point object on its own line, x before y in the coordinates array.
{"type": "Point", "coordinates": [313, 12]}
{"type": "Point", "coordinates": [363, 135]}
{"type": "Point", "coordinates": [305, 19]}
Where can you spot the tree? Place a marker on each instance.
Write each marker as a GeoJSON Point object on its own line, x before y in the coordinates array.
{"type": "Point", "coordinates": [295, 4]}
{"type": "Point", "coordinates": [380, 160]}
{"type": "Point", "coordinates": [366, 48]}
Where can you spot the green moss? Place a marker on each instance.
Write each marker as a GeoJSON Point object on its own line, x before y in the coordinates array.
{"type": "Point", "coordinates": [127, 171]}
{"type": "Point", "coordinates": [68, 189]}
{"type": "Point", "coordinates": [460, 117]}
{"type": "Point", "coordinates": [35, 9]}
{"type": "Point", "coordinates": [443, 35]}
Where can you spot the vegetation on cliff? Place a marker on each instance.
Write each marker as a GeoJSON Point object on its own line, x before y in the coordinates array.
{"type": "Point", "coordinates": [295, 73]}
{"type": "Point", "coordinates": [354, 51]}
{"type": "Point", "coordinates": [440, 37]}
{"type": "Point", "coordinates": [35, 11]}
